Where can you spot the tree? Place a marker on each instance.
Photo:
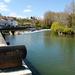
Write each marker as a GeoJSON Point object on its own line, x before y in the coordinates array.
{"type": "Point", "coordinates": [38, 24]}
{"type": "Point", "coordinates": [57, 27]}
{"type": "Point", "coordinates": [33, 19]}
{"type": "Point", "coordinates": [60, 28]}
{"type": "Point", "coordinates": [48, 18]}
{"type": "Point", "coordinates": [61, 17]}
{"type": "Point", "coordinates": [70, 10]}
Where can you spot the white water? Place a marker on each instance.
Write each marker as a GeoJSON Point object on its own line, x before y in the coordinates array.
{"type": "Point", "coordinates": [26, 32]}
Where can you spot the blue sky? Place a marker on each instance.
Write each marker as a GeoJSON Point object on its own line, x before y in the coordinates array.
{"type": "Point", "coordinates": [27, 8]}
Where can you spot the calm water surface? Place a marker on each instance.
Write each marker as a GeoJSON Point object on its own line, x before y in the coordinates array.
{"type": "Point", "coordinates": [50, 55]}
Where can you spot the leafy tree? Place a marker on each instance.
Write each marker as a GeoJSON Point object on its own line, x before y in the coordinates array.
{"type": "Point", "coordinates": [56, 27]}
{"type": "Point", "coordinates": [38, 24]}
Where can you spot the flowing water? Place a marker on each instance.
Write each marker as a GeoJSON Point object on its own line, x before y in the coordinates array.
{"type": "Point", "coordinates": [50, 55]}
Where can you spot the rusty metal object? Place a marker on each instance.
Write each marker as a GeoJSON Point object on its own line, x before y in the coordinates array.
{"type": "Point", "coordinates": [12, 56]}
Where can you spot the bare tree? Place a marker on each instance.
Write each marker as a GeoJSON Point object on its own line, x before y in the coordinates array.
{"type": "Point", "coordinates": [48, 18]}
{"type": "Point", "coordinates": [70, 10]}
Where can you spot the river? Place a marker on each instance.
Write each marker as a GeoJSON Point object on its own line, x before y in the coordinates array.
{"type": "Point", "coordinates": [49, 54]}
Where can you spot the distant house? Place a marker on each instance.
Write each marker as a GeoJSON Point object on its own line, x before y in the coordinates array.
{"type": "Point", "coordinates": [7, 22]}
{"type": "Point", "coordinates": [11, 22]}
{"type": "Point", "coordinates": [2, 22]}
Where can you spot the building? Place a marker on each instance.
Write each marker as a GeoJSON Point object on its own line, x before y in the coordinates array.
{"type": "Point", "coordinates": [4, 22]}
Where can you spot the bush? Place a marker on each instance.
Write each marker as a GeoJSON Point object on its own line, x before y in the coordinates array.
{"type": "Point", "coordinates": [67, 30]}
{"type": "Point", "coordinates": [56, 26]}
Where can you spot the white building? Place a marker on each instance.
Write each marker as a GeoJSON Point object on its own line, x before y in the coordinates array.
{"type": "Point", "coordinates": [2, 22]}
{"type": "Point", "coordinates": [11, 22]}
{"type": "Point", "coordinates": [8, 22]}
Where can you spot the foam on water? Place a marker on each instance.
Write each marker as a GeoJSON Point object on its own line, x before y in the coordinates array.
{"type": "Point", "coordinates": [26, 32]}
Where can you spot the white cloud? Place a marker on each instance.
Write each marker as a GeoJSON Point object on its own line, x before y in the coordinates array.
{"type": "Point", "coordinates": [29, 6]}
{"type": "Point", "coordinates": [27, 10]}
{"type": "Point", "coordinates": [3, 7]}
{"type": "Point", "coordinates": [13, 14]}
{"type": "Point", "coordinates": [7, 1]}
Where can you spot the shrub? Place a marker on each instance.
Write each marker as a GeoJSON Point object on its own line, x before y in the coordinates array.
{"type": "Point", "coordinates": [67, 30]}
{"type": "Point", "coordinates": [56, 26]}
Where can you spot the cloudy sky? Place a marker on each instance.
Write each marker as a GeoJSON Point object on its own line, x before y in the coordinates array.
{"type": "Point", "coordinates": [27, 8]}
